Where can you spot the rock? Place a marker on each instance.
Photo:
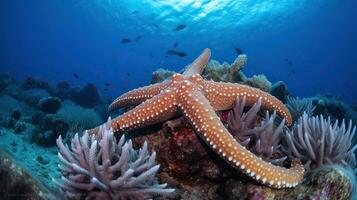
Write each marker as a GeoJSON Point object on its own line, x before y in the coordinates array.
{"type": "Point", "coordinates": [33, 96]}
{"type": "Point", "coordinates": [37, 118]}
{"type": "Point", "coordinates": [280, 91]}
{"type": "Point", "coordinates": [49, 127]}
{"type": "Point", "coordinates": [31, 83]}
{"type": "Point", "coordinates": [44, 138]}
{"type": "Point", "coordinates": [19, 127]}
{"type": "Point", "coordinates": [17, 183]}
{"type": "Point", "coordinates": [63, 85]}
{"type": "Point", "coordinates": [189, 165]}
{"type": "Point", "coordinates": [54, 123]}
{"type": "Point", "coordinates": [88, 96]}
{"type": "Point", "coordinates": [49, 104]}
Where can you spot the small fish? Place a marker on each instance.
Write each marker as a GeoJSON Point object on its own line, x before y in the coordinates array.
{"type": "Point", "coordinates": [177, 53]}
{"type": "Point", "coordinates": [293, 71]}
{"type": "Point", "coordinates": [175, 44]}
{"type": "Point", "coordinates": [125, 41]}
{"type": "Point", "coordinates": [152, 55]}
{"type": "Point", "coordinates": [156, 26]}
{"type": "Point", "coordinates": [107, 84]}
{"type": "Point", "coordinates": [180, 27]}
{"type": "Point", "coordinates": [76, 75]}
{"type": "Point", "coordinates": [238, 50]}
{"type": "Point", "coordinates": [137, 38]}
{"type": "Point", "coordinates": [106, 89]}
{"type": "Point", "coordinates": [135, 12]}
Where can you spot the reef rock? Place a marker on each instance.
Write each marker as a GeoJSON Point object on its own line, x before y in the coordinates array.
{"type": "Point", "coordinates": [88, 96]}
{"type": "Point", "coordinates": [17, 183]}
{"type": "Point", "coordinates": [280, 91]}
{"type": "Point", "coordinates": [198, 173]}
{"type": "Point", "coordinates": [49, 104]}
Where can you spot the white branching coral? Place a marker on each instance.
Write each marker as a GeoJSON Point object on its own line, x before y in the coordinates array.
{"type": "Point", "coordinates": [260, 137]}
{"type": "Point", "coordinates": [316, 141]}
{"type": "Point", "coordinates": [97, 167]}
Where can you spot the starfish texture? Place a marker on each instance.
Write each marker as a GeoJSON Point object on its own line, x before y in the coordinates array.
{"type": "Point", "coordinates": [198, 99]}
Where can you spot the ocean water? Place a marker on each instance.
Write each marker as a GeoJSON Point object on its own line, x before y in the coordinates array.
{"type": "Point", "coordinates": [116, 45]}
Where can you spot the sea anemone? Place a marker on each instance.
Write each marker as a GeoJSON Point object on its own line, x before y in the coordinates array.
{"type": "Point", "coordinates": [97, 167]}
{"type": "Point", "coordinates": [316, 141]}
{"type": "Point", "coordinates": [260, 137]}
{"type": "Point", "coordinates": [298, 106]}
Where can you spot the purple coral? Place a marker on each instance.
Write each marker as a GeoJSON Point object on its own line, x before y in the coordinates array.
{"type": "Point", "coordinates": [316, 141]}
{"type": "Point", "coordinates": [100, 168]}
{"type": "Point", "coordinates": [260, 137]}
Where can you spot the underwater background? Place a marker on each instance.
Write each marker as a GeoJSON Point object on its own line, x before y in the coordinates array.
{"type": "Point", "coordinates": [62, 62]}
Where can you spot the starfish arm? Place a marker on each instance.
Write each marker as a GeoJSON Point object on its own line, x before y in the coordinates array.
{"type": "Point", "coordinates": [198, 65]}
{"type": "Point", "coordinates": [223, 95]}
{"type": "Point", "coordinates": [157, 109]}
{"type": "Point", "coordinates": [137, 96]}
{"type": "Point", "coordinates": [209, 127]}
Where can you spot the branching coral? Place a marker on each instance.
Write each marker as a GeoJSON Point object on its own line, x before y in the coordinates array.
{"type": "Point", "coordinates": [316, 141]}
{"type": "Point", "coordinates": [101, 168]}
{"type": "Point", "coordinates": [298, 106]}
{"type": "Point", "coordinates": [261, 138]}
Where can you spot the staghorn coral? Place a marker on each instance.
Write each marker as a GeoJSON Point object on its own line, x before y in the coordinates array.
{"type": "Point", "coordinates": [316, 141]}
{"type": "Point", "coordinates": [298, 106]}
{"type": "Point", "coordinates": [101, 168]}
{"type": "Point", "coordinates": [261, 138]}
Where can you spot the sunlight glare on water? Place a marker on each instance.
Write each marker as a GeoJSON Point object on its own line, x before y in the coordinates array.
{"type": "Point", "coordinates": [220, 14]}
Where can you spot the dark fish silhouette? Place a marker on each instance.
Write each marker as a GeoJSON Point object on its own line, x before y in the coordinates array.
{"type": "Point", "coordinates": [176, 53]}
{"type": "Point", "coordinates": [76, 75]}
{"type": "Point", "coordinates": [238, 50]}
{"type": "Point", "coordinates": [156, 26]}
{"type": "Point", "coordinates": [125, 41]}
{"type": "Point", "coordinates": [137, 38]}
{"type": "Point", "coordinates": [289, 62]}
{"type": "Point", "coordinates": [175, 44]}
{"type": "Point", "coordinates": [293, 71]}
{"type": "Point", "coordinates": [135, 12]}
{"type": "Point", "coordinates": [107, 84]}
{"type": "Point", "coordinates": [180, 27]}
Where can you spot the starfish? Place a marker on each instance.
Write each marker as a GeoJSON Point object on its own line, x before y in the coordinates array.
{"type": "Point", "coordinates": [198, 100]}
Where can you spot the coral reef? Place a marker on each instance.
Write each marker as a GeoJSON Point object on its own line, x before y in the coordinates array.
{"type": "Point", "coordinates": [49, 104]}
{"type": "Point", "coordinates": [316, 141]}
{"type": "Point", "coordinates": [88, 96]}
{"type": "Point", "coordinates": [259, 81]}
{"type": "Point", "coordinates": [84, 118]}
{"type": "Point", "coordinates": [101, 168]}
{"type": "Point", "coordinates": [280, 91]}
{"type": "Point", "coordinates": [334, 108]}
{"type": "Point", "coordinates": [225, 72]}
{"type": "Point", "coordinates": [259, 136]}
{"type": "Point", "coordinates": [160, 75]}
{"type": "Point", "coordinates": [298, 107]}
{"type": "Point", "coordinates": [189, 95]}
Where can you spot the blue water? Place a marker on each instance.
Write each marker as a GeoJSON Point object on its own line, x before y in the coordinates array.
{"type": "Point", "coordinates": [54, 39]}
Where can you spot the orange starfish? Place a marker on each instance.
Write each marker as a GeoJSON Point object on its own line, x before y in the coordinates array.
{"type": "Point", "coordinates": [197, 99]}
